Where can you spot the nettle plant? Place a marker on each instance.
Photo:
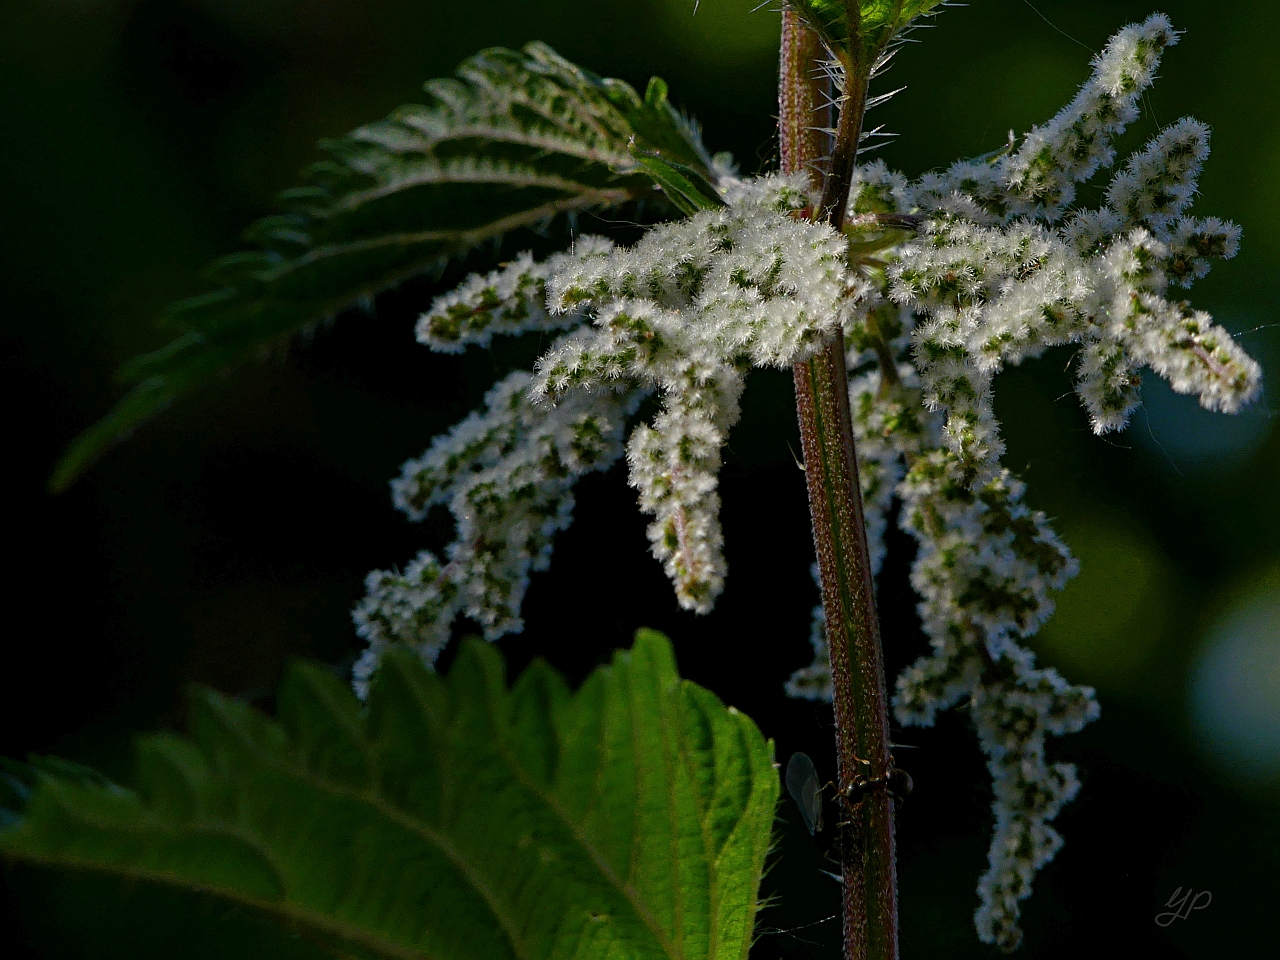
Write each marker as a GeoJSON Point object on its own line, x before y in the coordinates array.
{"type": "Point", "coordinates": [433, 817]}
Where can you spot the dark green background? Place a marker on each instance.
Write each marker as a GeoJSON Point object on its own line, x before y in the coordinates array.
{"type": "Point", "coordinates": [140, 136]}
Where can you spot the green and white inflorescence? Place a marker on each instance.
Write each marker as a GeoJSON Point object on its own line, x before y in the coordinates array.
{"type": "Point", "coordinates": [1002, 266]}
{"type": "Point", "coordinates": [507, 474]}
{"type": "Point", "coordinates": [685, 313]}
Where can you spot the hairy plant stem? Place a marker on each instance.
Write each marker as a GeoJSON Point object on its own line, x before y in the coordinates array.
{"type": "Point", "coordinates": [868, 868]}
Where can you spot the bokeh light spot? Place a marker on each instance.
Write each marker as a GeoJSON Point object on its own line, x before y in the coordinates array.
{"type": "Point", "coordinates": [1111, 617]}
{"type": "Point", "coordinates": [1235, 686]}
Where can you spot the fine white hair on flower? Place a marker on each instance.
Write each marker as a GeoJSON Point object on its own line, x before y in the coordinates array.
{"type": "Point", "coordinates": [687, 311]}
{"type": "Point", "coordinates": [510, 300]}
{"type": "Point", "coordinates": [1028, 792]}
{"type": "Point", "coordinates": [884, 416]}
{"type": "Point", "coordinates": [1155, 188]}
{"type": "Point", "coordinates": [991, 295]}
{"type": "Point", "coordinates": [1038, 176]}
{"type": "Point", "coordinates": [1160, 182]}
{"type": "Point", "coordinates": [506, 473]}
{"type": "Point", "coordinates": [1041, 174]}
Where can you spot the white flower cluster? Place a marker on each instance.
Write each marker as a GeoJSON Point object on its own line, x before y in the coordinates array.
{"type": "Point", "coordinates": [508, 301]}
{"type": "Point", "coordinates": [985, 570]}
{"type": "Point", "coordinates": [1039, 178]}
{"type": "Point", "coordinates": [687, 311]}
{"type": "Point", "coordinates": [1002, 269]}
{"type": "Point", "coordinates": [507, 475]}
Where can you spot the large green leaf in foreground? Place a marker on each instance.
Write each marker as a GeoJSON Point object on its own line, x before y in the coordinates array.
{"type": "Point", "coordinates": [449, 819]}
{"type": "Point", "coordinates": [515, 139]}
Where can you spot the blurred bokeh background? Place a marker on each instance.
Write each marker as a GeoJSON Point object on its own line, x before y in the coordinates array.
{"type": "Point", "coordinates": [142, 135]}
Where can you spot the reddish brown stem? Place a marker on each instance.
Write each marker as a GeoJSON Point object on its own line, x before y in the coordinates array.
{"type": "Point", "coordinates": [835, 504]}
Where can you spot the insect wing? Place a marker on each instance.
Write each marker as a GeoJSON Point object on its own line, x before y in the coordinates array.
{"type": "Point", "coordinates": [802, 784]}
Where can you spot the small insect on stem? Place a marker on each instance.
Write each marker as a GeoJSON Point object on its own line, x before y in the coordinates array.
{"type": "Point", "coordinates": [896, 780]}
{"type": "Point", "coordinates": [802, 784]}
{"type": "Point", "coordinates": [806, 790]}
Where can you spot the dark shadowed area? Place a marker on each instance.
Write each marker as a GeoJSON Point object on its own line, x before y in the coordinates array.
{"type": "Point", "coordinates": [235, 531]}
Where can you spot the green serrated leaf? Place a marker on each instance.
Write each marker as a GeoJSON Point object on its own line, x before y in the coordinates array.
{"type": "Point", "coordinates": [451, 819]}
{"type": "Point", "coordinates": [879, 22]}
{"type": "Point", "coordinates": [687, 189]}
{"type": "Point", "coordinates": [514, 140]}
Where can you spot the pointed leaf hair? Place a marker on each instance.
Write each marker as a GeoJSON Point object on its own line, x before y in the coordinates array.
{"type": "Point", "coordinates": [516, 139]}
{"type": "Point", "coordinates": [1001, 269]}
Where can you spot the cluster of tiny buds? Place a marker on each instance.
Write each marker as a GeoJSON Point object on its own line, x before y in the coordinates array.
{"type": "Point", "coordinates": [506, 473]}
{"type": "Point", "coordinates": [686, 312]}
